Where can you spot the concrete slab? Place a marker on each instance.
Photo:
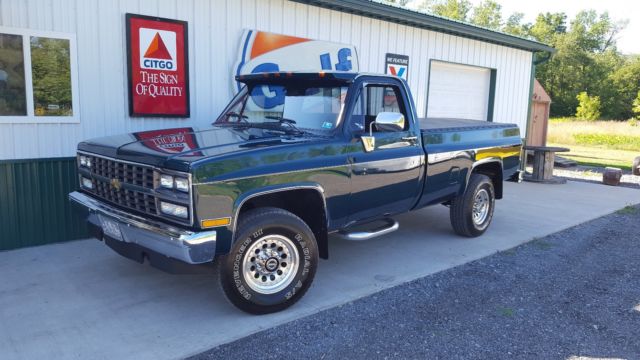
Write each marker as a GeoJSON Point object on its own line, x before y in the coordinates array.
{"type": "Point", "coordinates": [81, 300]}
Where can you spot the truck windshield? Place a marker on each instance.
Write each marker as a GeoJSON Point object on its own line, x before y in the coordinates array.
{"type": "Point", "coordinates": [301, 107]}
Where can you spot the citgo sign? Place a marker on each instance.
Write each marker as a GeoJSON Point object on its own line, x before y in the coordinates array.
{"type": "Point", "coordinates": [158, 67]}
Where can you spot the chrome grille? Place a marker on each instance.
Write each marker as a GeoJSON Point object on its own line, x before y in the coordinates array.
{"type": "Point", "coordinates": [128, 198]}
{"type": "Point", "coordinates": [140, 198]}
{"type": "Point", "coordinates": [126, 173]}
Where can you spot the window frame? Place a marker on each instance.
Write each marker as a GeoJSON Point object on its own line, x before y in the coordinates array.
{"type": "Point", "coordinates": [401, 95]}
{"type": "Point", "coordinates": [30, 117]}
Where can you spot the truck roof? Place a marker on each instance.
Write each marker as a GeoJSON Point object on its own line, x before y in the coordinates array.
{"type": "Point", "coordinates": [336, 76]}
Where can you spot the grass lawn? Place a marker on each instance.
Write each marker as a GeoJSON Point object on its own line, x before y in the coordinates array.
{"type": "Point", "coordinates": [597, 143]}
{"type": "Point", "coordinates": [597, 156]}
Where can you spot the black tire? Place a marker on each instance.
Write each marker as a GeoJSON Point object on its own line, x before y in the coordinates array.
{"type": "Point", "coordinates": [461, 211]}
{"type": "Point", "coordinates": [636, 166]}
{"type": "Point", "coordinates": [290, 234]}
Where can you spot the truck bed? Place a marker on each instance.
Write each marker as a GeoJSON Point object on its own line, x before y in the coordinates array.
{"type": "Point", "coordinates": [430, 125]}
{"type": "Point", "coordinates": [440, 134]}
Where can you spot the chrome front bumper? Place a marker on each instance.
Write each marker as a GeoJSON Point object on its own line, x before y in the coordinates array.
{"type": "Point", "coordinates": [184, 245]}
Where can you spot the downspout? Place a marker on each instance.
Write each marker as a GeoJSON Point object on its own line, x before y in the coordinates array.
{"type": "Point", "coordinates": [535, 61]}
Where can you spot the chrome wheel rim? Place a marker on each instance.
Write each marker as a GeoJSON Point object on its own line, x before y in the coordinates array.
{"type": "Point", "coordinates": [481, 205]}
{"type": "Point", "coordinates": [270, 264]}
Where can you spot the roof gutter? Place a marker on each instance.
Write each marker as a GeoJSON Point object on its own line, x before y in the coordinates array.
{"type": "Point", "coordinates": [402, 16]}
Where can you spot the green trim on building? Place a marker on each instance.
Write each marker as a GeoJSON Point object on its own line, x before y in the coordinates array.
{"type": "Point", "coordinates": [492, 94]}
{"type": "Point", "coordinates": [34, 208]}
{"type": "Point", "coordinates": [378, 10]}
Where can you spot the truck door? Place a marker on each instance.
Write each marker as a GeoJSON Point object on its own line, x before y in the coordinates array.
{"type": "Point", "coordinates": [386, 180]}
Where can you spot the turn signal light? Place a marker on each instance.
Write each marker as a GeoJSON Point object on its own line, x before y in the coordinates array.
{"type": "Point", "coordinates": [209, 223]}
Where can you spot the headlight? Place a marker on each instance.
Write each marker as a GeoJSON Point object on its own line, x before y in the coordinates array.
{"type": "Point", "coordinates": [174, 210]}
{"type": "Point", "coordinates": [170, 182]}
{"type": "Point", "coordinates": [182, 184]}
{"type": "Point", "coordinates": [85, 161]}
{"type": "Point", "coordinates": [166, 181]}
{"type": "Point", "coordinates": [87, 183]}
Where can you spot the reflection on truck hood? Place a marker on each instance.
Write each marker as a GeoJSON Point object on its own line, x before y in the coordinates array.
{"type": "Point", "coordinates": [177, 148]}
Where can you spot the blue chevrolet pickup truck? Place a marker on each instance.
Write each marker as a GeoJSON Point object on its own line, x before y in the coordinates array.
{"type": "Point", "coordinates": [293, 158]}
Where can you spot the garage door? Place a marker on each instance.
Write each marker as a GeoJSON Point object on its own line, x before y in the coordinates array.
{"type": "Point", "coordinates": [458, 91]}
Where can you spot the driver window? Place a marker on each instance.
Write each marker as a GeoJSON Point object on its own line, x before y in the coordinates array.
{"type": "Point", "coordinates": [374, 99]}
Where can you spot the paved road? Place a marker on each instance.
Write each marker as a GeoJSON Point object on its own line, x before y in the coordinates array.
{"type": "Point", "coordinates": [573, 293]}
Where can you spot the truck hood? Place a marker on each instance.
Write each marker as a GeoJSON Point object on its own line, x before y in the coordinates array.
{"type": "Point", "coordinates": [177, 148]}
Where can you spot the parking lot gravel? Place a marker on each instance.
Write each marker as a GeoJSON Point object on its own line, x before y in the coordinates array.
{"type": "Point", "coordinates": [575, 293]}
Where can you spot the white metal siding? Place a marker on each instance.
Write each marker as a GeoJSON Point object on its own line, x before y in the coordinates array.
{"type": "Point", "coordinates": [458, 91]}
{"type": "Point", "coordinates": [215, 28]}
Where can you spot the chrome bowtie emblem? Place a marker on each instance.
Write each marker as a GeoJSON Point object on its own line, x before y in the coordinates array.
{"type": "Point", "coordinates": [115, 183]}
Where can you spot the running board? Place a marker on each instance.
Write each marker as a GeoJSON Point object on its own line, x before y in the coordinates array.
{"type": "Point", "coordinates": [389, 226]}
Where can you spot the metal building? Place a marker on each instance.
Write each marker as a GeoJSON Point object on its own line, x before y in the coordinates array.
{"type": "Point", "coordinates": [454, 70]}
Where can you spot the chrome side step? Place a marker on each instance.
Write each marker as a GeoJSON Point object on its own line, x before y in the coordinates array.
{"type": "Point", "coordinates": [389, 226]}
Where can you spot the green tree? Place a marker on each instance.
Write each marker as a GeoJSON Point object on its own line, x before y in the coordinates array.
{"type": "Point", "coordinates": [588, 107]}
{"type": "Point", "coordinates": [487, 14]}
{"type": "Point", "coordinates": [548, 27]}
{"type": "Point", "coordinates": [50, 61]}
{"type": "Point", "coordinates": [636, 106]}
{"type": "Point", "coordinates": [586, 56]}
{"type": "Point", "coordinates": [514, 25]}
{"type": "Point", "coordinates": [452, 9]}
{"type": "Point", "coordinates": [625, 84]}
{"type": "Point", "coordinates": [398, 2]}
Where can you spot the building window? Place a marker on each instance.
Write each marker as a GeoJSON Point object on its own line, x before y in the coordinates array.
{"type": "Point", "coordinates": [12, 90]}
{"type": "Point", "coordinates": [38, 77]}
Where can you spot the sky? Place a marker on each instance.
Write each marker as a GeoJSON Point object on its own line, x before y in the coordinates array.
{"type": "Point", "coordinates": [629, 38]}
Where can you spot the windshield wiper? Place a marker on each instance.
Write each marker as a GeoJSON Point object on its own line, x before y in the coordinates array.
{"type": "Point", "coordinates": [283, 120]}
{"type": "Point", "coordinates": [273, 126]}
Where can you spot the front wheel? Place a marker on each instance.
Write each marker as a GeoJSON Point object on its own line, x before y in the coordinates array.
{"type": "Point", "coordinates": [471, 212]}
{"type": "Point", "coordinates": [271, 263]}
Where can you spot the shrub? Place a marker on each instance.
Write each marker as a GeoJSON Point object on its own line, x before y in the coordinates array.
{"type": "Point", "coordinates": [588, 107]}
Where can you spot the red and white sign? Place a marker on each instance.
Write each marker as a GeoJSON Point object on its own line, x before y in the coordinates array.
{"type": "Point", "coordinates": [158, 66]}
{"type": "Point", "coordinates": [170, 141]}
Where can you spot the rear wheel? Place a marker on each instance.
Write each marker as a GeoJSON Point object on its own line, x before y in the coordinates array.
{"type": "Point", "coordinates": [471, 212]}
{"type": "Point", "coordinates": [271, 263]}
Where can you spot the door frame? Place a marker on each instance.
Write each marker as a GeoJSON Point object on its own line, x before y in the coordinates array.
{"type": "Point", "coordinates": [492, 85]}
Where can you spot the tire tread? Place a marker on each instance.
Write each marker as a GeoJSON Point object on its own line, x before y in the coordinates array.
{"type": "Point", "coordinates": [461, 223]}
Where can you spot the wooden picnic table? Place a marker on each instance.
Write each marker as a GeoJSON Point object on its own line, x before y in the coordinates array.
{"type": "Point", "coordinates": [544, 158]}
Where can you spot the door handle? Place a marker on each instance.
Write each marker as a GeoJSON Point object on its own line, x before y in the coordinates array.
{"type": "Point", "coordinates": [409, 138]}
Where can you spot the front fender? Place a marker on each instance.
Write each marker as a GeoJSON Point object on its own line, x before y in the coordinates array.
{"type": "Point", "coordinates": [253, 193]}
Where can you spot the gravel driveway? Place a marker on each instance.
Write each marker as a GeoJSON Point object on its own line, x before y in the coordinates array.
{"type": "Point", "coordinates": [573, 293]}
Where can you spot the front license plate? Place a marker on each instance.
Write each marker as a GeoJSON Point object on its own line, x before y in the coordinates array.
{"type": "Point", "coordinates": [111, 228]}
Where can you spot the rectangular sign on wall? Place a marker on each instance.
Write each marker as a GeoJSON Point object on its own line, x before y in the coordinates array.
{"type": "Point", "coordinates": [397, 65]}
{"type": "Point", "coordinates": [158, 65]}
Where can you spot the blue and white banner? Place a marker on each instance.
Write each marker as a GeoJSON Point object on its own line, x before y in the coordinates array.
{"type": "Point", "coordinates": [264, 52]}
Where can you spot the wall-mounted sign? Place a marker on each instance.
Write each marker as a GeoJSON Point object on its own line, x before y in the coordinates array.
{"type": "Point", "coordinates": [158, 64]}
{"type": "Point", "coordinates": [397, 65]}
{"type": "Point", "coordinates": [170, 141]}
{"type": "Point", "coordinates": [263, 52]}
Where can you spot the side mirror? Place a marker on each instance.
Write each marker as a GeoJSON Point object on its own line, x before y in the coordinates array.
{"type": "Point", "coordinates": [389, 121]}
{"type": "Point", "coordinates": [385, 121]}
